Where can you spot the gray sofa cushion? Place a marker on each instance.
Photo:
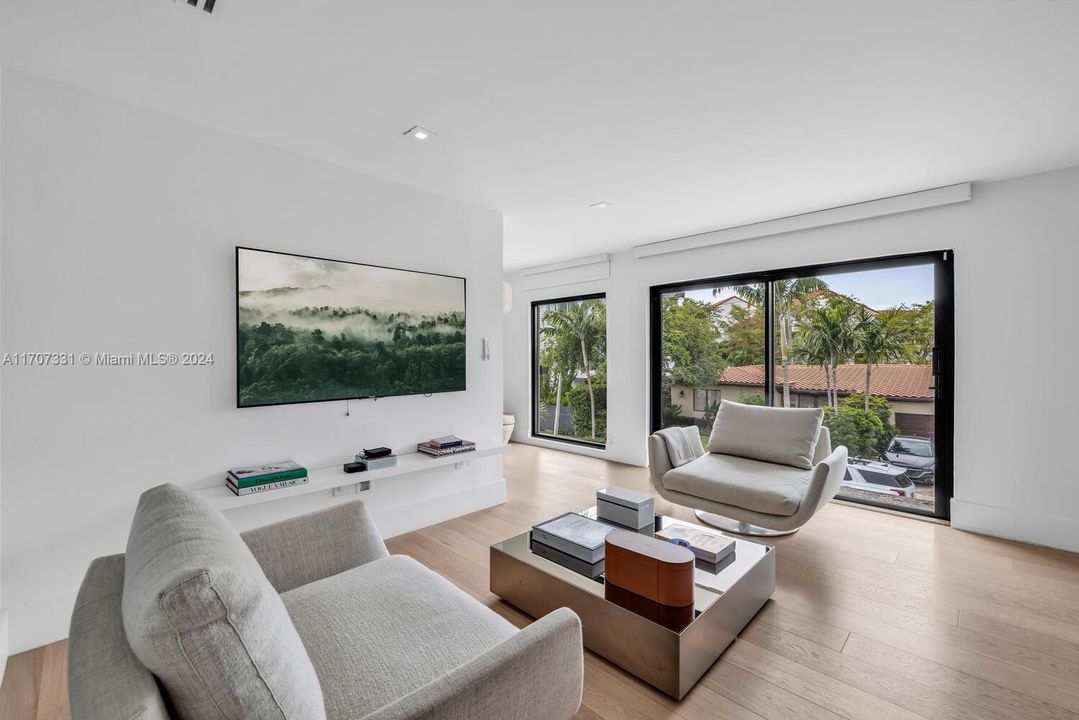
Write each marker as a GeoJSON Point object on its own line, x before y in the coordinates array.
{"type": "Point", "coordinates": [201, 615]}
{"type": "Point", "coordinates": [379, 631]}
{"type": "Point", "coordinates": [787, 436]}
{"type": "Point", "coordinates": [750, 484]}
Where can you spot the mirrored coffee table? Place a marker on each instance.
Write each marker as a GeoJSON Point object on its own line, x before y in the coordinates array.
{"type": "Point", "coordinates": [726, 597]}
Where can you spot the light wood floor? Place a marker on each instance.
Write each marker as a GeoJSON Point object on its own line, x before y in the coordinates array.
{"type": "Point", "coordinates": [875, 616]}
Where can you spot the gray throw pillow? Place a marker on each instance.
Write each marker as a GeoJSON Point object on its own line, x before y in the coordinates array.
{"type": "Point", "coordinates": [201, 615]}
{"type": "Point", "coordinates": [785, 436]}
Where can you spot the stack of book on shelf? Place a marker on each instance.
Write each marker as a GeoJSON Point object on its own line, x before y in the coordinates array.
{"type": "Point", "coordinates": [711, 548]}
{"type": "Point", "coordinates": [263, 478]}
{"type": "Point", "coordinates": [445, 445]}
{"type": "Point", "coordinates": [573, 541]}
{"type": "Point", "coordinates": [376, 458]}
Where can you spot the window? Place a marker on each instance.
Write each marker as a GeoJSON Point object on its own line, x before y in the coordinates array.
{"type": "Point", "coordinates": [867, 341]}
{"type": "Point", "coordinates": [569, 361]}
{"type": "Point", "coordinates": [700, 400]}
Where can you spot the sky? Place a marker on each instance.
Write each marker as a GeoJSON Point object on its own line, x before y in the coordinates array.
{"type": "Point", "coordinates": [343, 284]}
{"type": "Point", "coordinates": [879, 289]}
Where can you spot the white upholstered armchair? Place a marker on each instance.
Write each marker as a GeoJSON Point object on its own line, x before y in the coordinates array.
{"type": "Point", "coordinates": [766, 470]}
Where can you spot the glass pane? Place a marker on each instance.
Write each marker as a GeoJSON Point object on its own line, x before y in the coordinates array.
{"type": "Point", "coordinates": [572, 379]}
{"type": "Point", "coordinates": [841, 336]}
{"type": "Point", "coordinates": [712, 350]}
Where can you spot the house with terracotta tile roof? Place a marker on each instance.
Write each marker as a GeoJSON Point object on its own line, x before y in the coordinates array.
{"type": "Point", "coordinates": [909, 389]}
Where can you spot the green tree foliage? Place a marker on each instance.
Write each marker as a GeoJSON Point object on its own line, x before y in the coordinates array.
{"type": "Point", "coordinates": [742, 337]}
{"type": "Point", "coordinates": [583, 324]}
{"type": "Point", "coordinates": [915, 325]}
{"type": "Point", "coordinates": [573, 343]}
{"type": "Point", "coordinates": [709, 417]}
{"type": "Point", "coordinates": [691, 352]}
{"type": "Point", "coordinates": [788, 297]}
{"type": "Point", "coordinates": [280, 364]}
{"type": "Point", "coordinates": [580, 402]}
{"type": "Point", "coordinates": [560, 361]}
{"type": "Point", "coordinates": [828, 336]}
{"type": "Point", "coordinates": [751, 400]}
{"type": "Point", "coordinates": [877, 338]}
{"type": "Point", "coordinates": [866, 433]}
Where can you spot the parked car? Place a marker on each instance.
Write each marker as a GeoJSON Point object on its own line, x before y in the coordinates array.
{"type": "Point", "coordinates": [878, 477]}
{"type": "Point", "coordinates": [917, 455]}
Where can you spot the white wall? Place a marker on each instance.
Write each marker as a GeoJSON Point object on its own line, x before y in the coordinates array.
{"type": "Point", "coordinates": [3, 612]}
{"type": "Point", "coordinates": [1016, 238]}
{"type": "Point", "coordinates": [119, 226]}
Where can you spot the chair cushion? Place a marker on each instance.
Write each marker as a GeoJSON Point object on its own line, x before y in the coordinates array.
{"type": "Point", "coordinates": [750, 484]}
{"type": "Point", "coordinates": [787, 436]}
{"type": "Point", "coordinates": [379, 631]}
{"type": "Point", "coordinates": [201, 615]}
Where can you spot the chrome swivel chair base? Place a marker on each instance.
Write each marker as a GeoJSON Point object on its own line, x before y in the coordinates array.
{"type": "Point", "coordinates": [738, 527]}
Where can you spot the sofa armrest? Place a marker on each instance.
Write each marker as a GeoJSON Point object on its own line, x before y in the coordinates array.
{"type": "Point", "coordinates": [538, 674]}
{"type": "Point", "coordinates": [310, 547]}
{"type": "Point", "coordinates": [827, 477]}
{"type": "Point", "coordinates": [659, 460]}
{"type": "Point", "coordinates": [104, 678]}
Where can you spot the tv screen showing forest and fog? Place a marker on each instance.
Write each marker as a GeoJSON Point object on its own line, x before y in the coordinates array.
{"type": "Point", "coordinates": [310, 330]}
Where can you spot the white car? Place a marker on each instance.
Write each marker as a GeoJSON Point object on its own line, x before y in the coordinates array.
{"type": "Point", "coordinates": [878, 477]}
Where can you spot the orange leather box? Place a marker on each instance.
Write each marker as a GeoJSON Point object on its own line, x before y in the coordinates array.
{"type": "Point", "coordinates": [654, 569]}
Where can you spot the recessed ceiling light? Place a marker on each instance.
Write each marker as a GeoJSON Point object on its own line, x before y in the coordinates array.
{"type": "Point", "coordinates": [420, 133]}
{"type": "Point", "coordinates": [600, 205]}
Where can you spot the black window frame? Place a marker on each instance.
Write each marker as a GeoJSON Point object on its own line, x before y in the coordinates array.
{"type": "Point", "coordinates": [534, 392]}
{"type": "Point", "coordinates": [943, 361]}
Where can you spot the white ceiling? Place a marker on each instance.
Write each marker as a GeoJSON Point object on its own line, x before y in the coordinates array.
{"type": "Point", "coordinates": [687, 115]}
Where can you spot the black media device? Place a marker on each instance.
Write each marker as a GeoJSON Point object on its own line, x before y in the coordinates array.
{"type": "Point", "coordinates": [355, 467]}
{"type": "Point", "coordinates": [376, 452]}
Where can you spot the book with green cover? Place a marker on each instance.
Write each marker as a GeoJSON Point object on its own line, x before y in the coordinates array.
{"type": "Point", "coordinates": [252, 475]}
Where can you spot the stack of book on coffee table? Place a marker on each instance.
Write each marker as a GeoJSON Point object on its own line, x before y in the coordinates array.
{"type": "Point", "coordinates": [573, 541]}
{"type": "Point", "coordinates": [263, 478]}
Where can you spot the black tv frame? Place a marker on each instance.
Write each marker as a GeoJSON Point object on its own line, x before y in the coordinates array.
{"type": "Point", "coordinates": [236, 348]}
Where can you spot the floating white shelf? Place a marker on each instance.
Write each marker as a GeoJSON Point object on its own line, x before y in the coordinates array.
{"type": "Point", "coordinates": [325, 479]}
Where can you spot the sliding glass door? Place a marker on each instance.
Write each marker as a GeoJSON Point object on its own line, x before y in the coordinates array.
{"type": "Point", "coordinates": [869, 342]}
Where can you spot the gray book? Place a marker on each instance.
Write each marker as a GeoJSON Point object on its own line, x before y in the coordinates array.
{"type": "Point", "coordinates": [589, 570]}
{"type": "Point", "coordinates": [575, 535]}
{"type": "Point", "coordinates": [265, 487]}
{"type": "Point", "coordinates": [707, 546]}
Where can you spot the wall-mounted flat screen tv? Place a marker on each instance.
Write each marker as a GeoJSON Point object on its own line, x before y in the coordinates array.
{"type": "Point", "coordinates": [311, 330]}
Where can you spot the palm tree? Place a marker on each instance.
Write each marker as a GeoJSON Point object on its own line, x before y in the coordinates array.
{"type": "Point", "coordinates": [829, 336]}
{"type": "Point", "coordinates": [879, 339]}
{"type": "Point", "coordinates": [560, 358]}
{"type": "Point", "coordinates": [789, 295]}
{"type": "Point", "coordinates": [585, 322]}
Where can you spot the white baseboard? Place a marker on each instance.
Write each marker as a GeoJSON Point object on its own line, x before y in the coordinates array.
{"type": "Point", "coordinates": [1022, 525]}
{"type": "Point", "coordinates": [612, 451]}
{"type": "Point", "coordinates": [3, 643]}
{"type": "Point", "coordinates": [406, 517]}
{"type": "Point", "coordinates": [39, 623]}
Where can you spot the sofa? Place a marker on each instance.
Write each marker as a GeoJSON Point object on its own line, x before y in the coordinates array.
{"type": "Point", "coordinates": [766, 470]}
{"type": "Point", "coordinates": [306, 619]}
